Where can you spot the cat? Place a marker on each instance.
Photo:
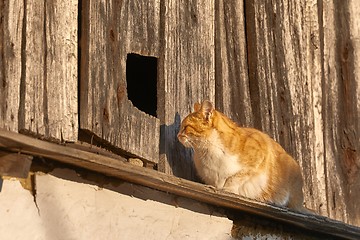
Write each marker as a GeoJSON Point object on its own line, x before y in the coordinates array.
{"type": "Point", "coordinates": [244, 161]}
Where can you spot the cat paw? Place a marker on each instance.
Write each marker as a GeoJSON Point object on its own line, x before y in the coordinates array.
{"type": "Point", "coordinates": [211, 187]}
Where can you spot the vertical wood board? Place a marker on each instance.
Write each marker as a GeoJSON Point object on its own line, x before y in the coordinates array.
{"type": "Point", "coordinates": [304, 93]}
{"type": "Point", "coordinates": [11, 29]}
{"type": "Point", "coordinates": [342, 131]}
{"type": "Point", "coordinates": [188, 65]}
{"type": "Point", "coordinates": [111, 30]}
{"type": "Point", "coordinates": [285, 68]}
{"type": "Point", "coordinates": [231, 70]}
{"type": "Point", "coordinates": [40, 68]}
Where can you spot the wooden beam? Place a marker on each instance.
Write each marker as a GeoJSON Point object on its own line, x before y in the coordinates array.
{"type": "Point", "coordinates": [15, 164]}
{"type": "Point", "coordinates": [15, 142]}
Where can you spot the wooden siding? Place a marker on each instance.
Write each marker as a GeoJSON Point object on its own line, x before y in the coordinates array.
{"type": "Point", "coordinates": [38, 57]}
{"type": "Point", "coordinates": [266, 219]}
{"type": "Point", "coordinates": [111, 30]}
{"type": "Point", "coordinates": [286, 68]}
{"type": "Point", "coordinates": [231, 66]}
{"type": "Point", "coordinates": [187, 74]}
{"type": "Point", "coordinates": [289, 68]}
{"type": "Point", "coordinates": [286, 85]}
{"type": "Point", "coordinates": [304, 94]}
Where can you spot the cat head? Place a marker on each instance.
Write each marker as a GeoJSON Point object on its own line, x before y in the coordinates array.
{"type": "Point", "coordinates": [197, 125]}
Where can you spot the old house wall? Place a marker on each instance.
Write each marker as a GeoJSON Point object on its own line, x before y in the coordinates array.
{"type": "Point", "coordinates": [110, 30]}
{"type": "Point", "coordinates": [287, 68]}
{"type": "Point", "coordinates": [65, 206]}
{"type": "Point", "coordinates": [38, 68]}
{"type": "Point", "coordinates": [68, 204]}
{"type": "Point", "coordinates": [304, 91]}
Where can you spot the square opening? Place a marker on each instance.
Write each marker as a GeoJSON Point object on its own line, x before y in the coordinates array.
{"type": "Point", "coordinates": [141, 79]}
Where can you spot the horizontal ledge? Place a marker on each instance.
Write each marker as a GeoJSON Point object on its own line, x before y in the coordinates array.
{"type": "Point", "coordinates": [15, 142]}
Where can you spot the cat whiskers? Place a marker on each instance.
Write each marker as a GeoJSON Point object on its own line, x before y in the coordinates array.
{"type": "Point", "coordinates": [201, 145]}
{"type": "Point", "coordinates": [206, 144]}
{"type": "Point", "coordinates": [197, 145]}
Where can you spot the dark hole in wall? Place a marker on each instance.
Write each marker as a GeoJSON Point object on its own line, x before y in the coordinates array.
{"type": "Point", "coordinates": [141, 79]}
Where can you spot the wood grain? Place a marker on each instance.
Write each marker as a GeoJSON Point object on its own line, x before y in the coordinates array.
{"type": "Point", "coordinates": [164, 182]}
{"type": "Point", "coordinates": [11, 26]}
{"type": "Point", "coordinates": [15, 164]}
{"type": "Point", "coordinates": [231, 68]}
{"type": "Point", "coordinates": [111, 30]}
{"type": "Point", "coordinates": [39, 68]}
{"type": "Point", "coordinates": [341, 110]}
{"type": "Point", "coordinates": [288, 68]}
{"type": "Point", "coordinates": [303, 93]}
{"type": "Point", "coordinates": [282, 82]}
{"type": "Point", "coordinates": [187, 75]}
{"type": "Point", "coordinates": [48, 101]}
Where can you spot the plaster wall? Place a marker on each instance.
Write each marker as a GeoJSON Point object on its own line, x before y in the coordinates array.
{"type": "Point", "coordinates": [67, 207]}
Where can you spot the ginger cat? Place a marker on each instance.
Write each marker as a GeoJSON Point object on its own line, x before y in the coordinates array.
{"type": "Point", "coordinates": [240, 160]}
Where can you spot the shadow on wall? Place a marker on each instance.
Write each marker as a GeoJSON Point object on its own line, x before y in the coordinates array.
{"type": "Point", "coordinates": [83, 176]}
{"type": "Point", "coordinates": [177, 157]}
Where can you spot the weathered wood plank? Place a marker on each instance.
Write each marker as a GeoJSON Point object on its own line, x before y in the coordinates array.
{"type": "Point", "coordinates": [304, 94]}
{"type": "Point", "coordinates": [168, 183]}
{"type": "Point", "coordinates": [282, 81]}
{"type": "Point", "coordinates": [48, 103]}
{"type": "Point", "coordinates": [11, 30]}
{"type": "Point", "coordinates": [342, 110]}
{"type": "Point", "coordinates": [188, 74]}
{"type": "Point", "coordinates": [111, 30]}
{"type": "Point", "coordinates": [61, 73]}
{"type": "Point", "coordinates": [39, 68]}
{"type": "Point", "coordinates": [232, 83]}
{"type": "Point", "coordinates": [352, 149]}
{"type": "Point", "coordinates": [15, 164]}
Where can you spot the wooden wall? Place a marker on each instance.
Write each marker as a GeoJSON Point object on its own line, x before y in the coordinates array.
{"type": "Point", "coordinates": [110, 31]}
{"type": "Point", "coordinates": [187, 74]}
{"type": "Point", "coordinates": [305, 93]}
{"type": "Point", "coordinates": [289, 68]}
{"type": "Point", "coordinates": [38, 68]}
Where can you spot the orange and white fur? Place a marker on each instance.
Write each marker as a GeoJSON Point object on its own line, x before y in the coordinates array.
{"type": "Point", "coordinates": [240, 160]}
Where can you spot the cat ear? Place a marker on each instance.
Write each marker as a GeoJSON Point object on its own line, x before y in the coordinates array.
{"type": "Point", "coordinates": [207, 108]}
{"type": "Point", "coordinates": [197, 107]}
